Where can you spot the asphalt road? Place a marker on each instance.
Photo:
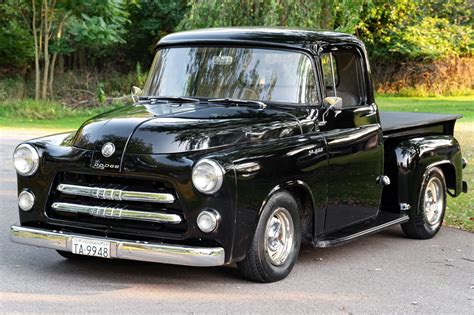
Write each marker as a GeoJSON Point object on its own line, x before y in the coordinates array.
{"type": "Point", "coordinates": [384, 273]}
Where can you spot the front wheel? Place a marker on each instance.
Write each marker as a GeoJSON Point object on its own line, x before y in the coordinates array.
{"type": "Point", "coordinates": [276, 243]}
{"type": "Point", "coordinates": [431, 207]}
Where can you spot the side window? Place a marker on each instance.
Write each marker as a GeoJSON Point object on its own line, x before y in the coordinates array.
{"type": "Point", "coordinates": [348, 75]}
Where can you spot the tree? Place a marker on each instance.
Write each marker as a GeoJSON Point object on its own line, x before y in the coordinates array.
{"type": "Point", "coordinates": [425, 29]}
{"type": "Point", "coordinates": [14, 37]}
{"type": "Point", "coordinates": [48, 21]}
{"type": "Point", "coordinates": [150, 20]}
{"type": "Point", "coordinates": [325, 14]}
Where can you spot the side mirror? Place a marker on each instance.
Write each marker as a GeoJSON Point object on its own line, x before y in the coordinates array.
{"type": "Point", "coordinates": [136, 93]}
{"type": "Point", "coordinates": [333, 102]}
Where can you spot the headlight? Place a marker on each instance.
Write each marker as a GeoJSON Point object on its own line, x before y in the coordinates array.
{"type": "Point", "coordinates": [26, 159]}
{"type": "Point", "coordinates": [26, 200]}
{"type": "Point", "coordinates": [207, 176]}
{"type": "Point", "coordinates": [208, 220]}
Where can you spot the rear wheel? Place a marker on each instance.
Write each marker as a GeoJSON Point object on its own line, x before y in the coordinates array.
{"type": "Point", "coordinates": [431, 207]}
{"type": "Point", "coordinates": [276, 243]}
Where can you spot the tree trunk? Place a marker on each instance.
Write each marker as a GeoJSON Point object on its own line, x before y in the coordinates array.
{"type": "Point", "coordinates": [44, 93]}
{"type": "Point", "coordinates": [60, 64]}
{"type": "Point", "coordinates": [37, 53]}
{"type": "Point", "coordinates": [51, 74]}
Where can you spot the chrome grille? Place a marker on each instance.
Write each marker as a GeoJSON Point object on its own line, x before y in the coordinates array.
{"type": "Point", "coordinates": [115, 194]}
{"type": "Point", "coordinates": [116, 201]}
{"type": "Point", "coordinates": [117, 213]}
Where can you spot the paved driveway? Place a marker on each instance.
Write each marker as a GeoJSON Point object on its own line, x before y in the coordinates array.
{"type": "Point", "coordinates": [382, 273]}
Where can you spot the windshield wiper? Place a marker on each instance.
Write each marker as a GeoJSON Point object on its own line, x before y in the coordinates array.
{"type": "Point", "coordinates": [260, 104]}
{"type": "Point", "coordinates": [180, 99]}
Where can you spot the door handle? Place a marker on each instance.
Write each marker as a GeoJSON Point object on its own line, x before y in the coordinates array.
{"type": "Point", "coordinates": [366, 111]}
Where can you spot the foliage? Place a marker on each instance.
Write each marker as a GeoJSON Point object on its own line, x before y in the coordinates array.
{"type": "Point", "coordinates": [327, 14]}
{"type": "Point", "coordinates": [29, 109]}
{"type": "Point", "coordinates": [410, 42]}
{"type": "Point", "coordinates": [13, 87]}
{"type": "Point", "coordinates": [408, 29]}
{"type": "Point", "coordinates": [96, 25]}
{"type": "Point", "coordinates": [13, 38]}
{"type": "Point", "coordinates": [149, 21]}
{"type": "Point", "coordinates": [449, 76]}
{"type": "Point", "coordinates": [435, 38]}
{"type": "Point", "coordinates": [100, 93]}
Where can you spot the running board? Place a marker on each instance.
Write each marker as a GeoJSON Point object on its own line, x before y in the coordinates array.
{"type": "Point", "coordinates": [383, 221]}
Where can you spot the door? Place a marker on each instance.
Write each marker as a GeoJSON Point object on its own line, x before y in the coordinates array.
{"type": "Point", "coordinates": [354, 141]}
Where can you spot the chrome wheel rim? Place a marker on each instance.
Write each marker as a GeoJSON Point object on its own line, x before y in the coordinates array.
{"type": "Point", "coordinates": [279, 236]}
{"type": "Point", "coordinates": [433, 203]}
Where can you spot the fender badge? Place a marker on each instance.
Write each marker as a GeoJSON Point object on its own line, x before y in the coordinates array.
{"type": "Point", "coordinates": [108, 149]}
{"type": "Point", "coordinates": [315, 151]}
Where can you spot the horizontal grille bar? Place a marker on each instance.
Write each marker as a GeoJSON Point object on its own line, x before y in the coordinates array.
{"type": "Point", "coordinates": [115, 194]}
{"type": "Point", "coordinates": [117, 213]}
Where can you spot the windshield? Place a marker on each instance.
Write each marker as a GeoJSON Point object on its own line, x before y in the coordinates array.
{"type": "Point", "coordinates": [232, 72]}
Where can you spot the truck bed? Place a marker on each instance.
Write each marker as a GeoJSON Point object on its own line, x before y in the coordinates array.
{"type": "Point", "coordinates": [407, 123]}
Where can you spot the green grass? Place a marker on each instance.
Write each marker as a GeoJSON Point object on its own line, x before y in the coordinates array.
{"type": "Point", "coordinates": [445, 104]}
{"type": "Point", "coordinates": [28, 113]}
{"type": "Point", "coordinates": [460, 210]}
{"type": "Point", "coordinates": [67, 123]}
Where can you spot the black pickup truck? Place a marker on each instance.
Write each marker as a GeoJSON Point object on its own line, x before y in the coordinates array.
{"type": "Point", "coordinates": [244, 143]}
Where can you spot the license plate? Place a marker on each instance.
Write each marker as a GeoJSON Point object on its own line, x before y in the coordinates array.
{"type": "Point", "coordinates": [88, 247]}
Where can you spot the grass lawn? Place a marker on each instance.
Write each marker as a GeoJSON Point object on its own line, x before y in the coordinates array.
{"type": "Point", "coordinates": [28, 113]}
{"type": "Point", "coordinates": [446, 105]}
{"type": "Point", "coordinates": [460, 211]}
{"type": "Point", "coordinates": [66, 123]}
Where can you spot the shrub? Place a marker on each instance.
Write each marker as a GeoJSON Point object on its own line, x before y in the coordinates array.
{"type": "Point", "coordinates": [434, 38]}
{"type": "Point", "coordinates": [451, 76]}
{"type": "Point", "coordinates": [47, 110]}
{"type": "Point", "coordinates": [13, 88]}
{"type": "Point", "coordinates": [30, 109]}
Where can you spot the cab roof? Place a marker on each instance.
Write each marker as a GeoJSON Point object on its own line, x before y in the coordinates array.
{"type": "Point", "coordinates": [296, 38]}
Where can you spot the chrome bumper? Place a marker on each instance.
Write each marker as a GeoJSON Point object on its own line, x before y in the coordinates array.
{"type": "Point", "coordinates": [123, 249]}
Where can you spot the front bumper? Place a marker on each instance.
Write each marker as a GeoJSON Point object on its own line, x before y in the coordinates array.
{"type": "Point", "coordinates": [123, 249]}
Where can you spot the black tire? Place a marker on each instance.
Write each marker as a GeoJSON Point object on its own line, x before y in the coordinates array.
{"type": "Point", "coordinates": [419, 225]}
{"type": "Point", "coordinates": [257, 265]}
{"type": "Point", "coordinates": [69, 255]}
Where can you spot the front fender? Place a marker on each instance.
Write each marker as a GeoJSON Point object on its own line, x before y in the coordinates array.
{"type": "Point", "coordinates": [261, 170]}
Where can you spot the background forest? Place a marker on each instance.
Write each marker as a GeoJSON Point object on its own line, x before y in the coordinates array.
{"type": "Point", "coordinates": [81, 52]}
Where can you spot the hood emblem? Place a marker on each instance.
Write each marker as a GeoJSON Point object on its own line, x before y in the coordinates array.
{"type": "Point", "coordinates": [108, 149]}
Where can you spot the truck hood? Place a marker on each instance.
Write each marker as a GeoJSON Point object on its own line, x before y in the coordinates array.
{"type": "Point", "coordinates": [174, 128]}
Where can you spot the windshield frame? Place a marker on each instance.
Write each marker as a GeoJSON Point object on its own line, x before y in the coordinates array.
{"type": "Point", "coordinates": [315, 69]}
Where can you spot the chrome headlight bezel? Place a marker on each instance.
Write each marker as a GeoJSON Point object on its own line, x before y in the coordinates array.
{"type": "Point", "coordinates": [32, 156]}
{"type": "Point", "coordinates": [214, 218]}
{"type": "Point", "coordinates": [216, 172]}
{"type": "Point", "coordinates": [21, 198]}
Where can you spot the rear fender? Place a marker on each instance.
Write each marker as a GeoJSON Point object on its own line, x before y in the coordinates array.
{"type": "Point", "coordinates": [415, 156]}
